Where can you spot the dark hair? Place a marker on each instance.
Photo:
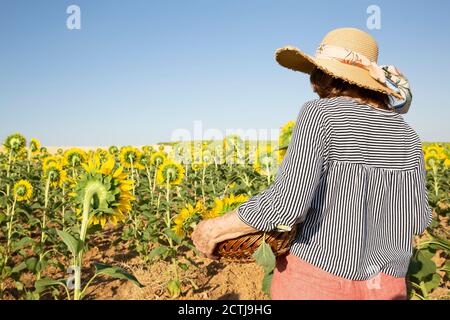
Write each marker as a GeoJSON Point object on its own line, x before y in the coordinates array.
{"type": "Point", "coordinates": [327, 86]}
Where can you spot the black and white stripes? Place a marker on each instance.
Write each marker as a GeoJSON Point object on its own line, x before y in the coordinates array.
{"type": "Point", "coordinates": [354, 177]}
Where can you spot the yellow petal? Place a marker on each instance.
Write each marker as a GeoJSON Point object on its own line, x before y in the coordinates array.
{"type": "Point", "coordinates": [108, 166]}
{"type": "Point", "coordinates": [118, 172]}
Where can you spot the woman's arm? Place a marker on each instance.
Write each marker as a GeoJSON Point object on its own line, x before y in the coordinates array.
{"type": "Point", "coordinates": [287, 201]}
{"type": "Point", "coordinates": [209, 233]}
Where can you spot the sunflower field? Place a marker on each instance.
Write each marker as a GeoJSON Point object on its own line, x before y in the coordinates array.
{"type": "Point", "coordinates": [62, 213]}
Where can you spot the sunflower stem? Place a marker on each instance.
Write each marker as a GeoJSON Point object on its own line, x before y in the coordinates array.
{"type": "Point", "coordinates": [435, 180]}
{"type": "Point", "coordinates": [46, 198]}
{"type": "Point", "coordinates": [150, 187]}
{"type": "Point", "coordinates": [29, 159]}
{"type": "Point", "coordinates": [8, 173]}
{"type": "Point", "coordinates": [132, 172]}
{"type": "Point", "coordinates": [90, 191]}
{"type": "Point", "coordinates": [63, 209]}
{"type": "Point", "coordinates": [168, 204]}
{"type": "Point", "coordinates": [203, 183]}
{"type": "Point", "coordinates": [11, 220]}
{"type": "Point", "coordinates": [44, 223]}
{"type": "Point", "coordinates": [268, 174]}
{"type": "Point", "coordinates": [154, 178]}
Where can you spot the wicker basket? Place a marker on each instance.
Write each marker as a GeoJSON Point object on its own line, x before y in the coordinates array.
{"type": "Point", "coordinates": [241, 249]}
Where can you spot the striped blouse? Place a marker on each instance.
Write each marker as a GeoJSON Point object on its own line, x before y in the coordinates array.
{"type": "Point", "coordinates": [354, 179]}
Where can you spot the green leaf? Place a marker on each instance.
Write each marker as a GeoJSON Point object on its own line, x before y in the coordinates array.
{"type": "Point", "coordinates": [21, 243]}
{"type": "Point", "coordinates": [266, 283]}
{"type": "Point", "coordinates": [433, 283]}
{"type": "Point", "coordinates": [157, 252]}
{"type": "Point", "coordinates": [44, 283]}
{"type": "Point", "coordinates": [31, 263]}
{"type": "Point", "coordinates": [72, 243]}
{"type": "Point", "coordinates": [174, 288]}
{"type": "Point", "coordinates": [21, 266]}
{"type": "Point", "coordinates": [116, 272]}
{"type": "Point", "coordinates": [171, 234]}
{"type": "Point", "coordinates": [183, 266]}
{"type": "Point", "coordinates": [427, 265]}
{"type": "Point", "coordinates": [421, 268]}
{"type": "Point", "coordinates": [19, 285]}
{"type": "Point", "coordinates": [265, 258]}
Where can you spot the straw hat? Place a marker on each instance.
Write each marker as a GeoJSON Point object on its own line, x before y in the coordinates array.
{"type": "Point", "coordinates": [346, 53]}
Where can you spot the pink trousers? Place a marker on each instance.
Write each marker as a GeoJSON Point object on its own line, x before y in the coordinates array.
{"type": "Point", "coordinates": [295, 279]}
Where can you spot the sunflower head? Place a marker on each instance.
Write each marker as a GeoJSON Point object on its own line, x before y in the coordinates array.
{"type": "Point", "coordinates": [447, 163]}
{"type": "Point", "coordinates": [145, 160]}
{"type": "Point", "coordinates": [170, 172]}
{"type": "Point", "coordinates": [15, 143]}
{"type": "Point", "coordinates": [44, 152]}
{"type": "Point", "coordinates": [285, 137]}
{"type": "Point", "coordinates": [55, 174]}
{"type": "Point", "coordinates": [74, 157]}
{"type": "Point", "coordinates": [129, 156]}
{"type": "Point", "coordinates": [109, 190]}
{"type": "Point", "coordinates": [188, 217]}
{"type": "Point", "coordinates": [22, 190]}
{"type": "Point", "coordinates": [157, 159]}
{"type": "Point", "coordinates": [161, 148]}
{"type": "Point", "coordinates": [147, 149]}
{"type": "Point", "coordinates": [51, 160]}
{"type": "Point", "coordinates": [35, 146]}
{"type": "Point", "coordinates": [225, 205]}
{"type": "Point", "coordinates": [113, 150]}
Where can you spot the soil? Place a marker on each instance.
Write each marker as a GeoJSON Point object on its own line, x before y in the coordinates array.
{"type": "Point", "coordinates": [208, 280]}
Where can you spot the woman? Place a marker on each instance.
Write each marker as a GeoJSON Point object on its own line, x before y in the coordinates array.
{"type": "Point", "coordinates": [353, 177]}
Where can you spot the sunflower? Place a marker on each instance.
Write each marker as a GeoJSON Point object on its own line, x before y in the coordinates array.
{"type": "Point", "coordinates": [44, 151]}
{"type": "Point", "coordinates": [51, 160]}
{"type": "Point", "coordinates": [434, 155]}
{"type": "Point", "coordinates": [436, 150]}
{"type": "Point", "coordinates": [113, 150]}
{"type": "Point", "coordinates": [227, 204]}
{"type": "Point", "coordinates": [147, 149]}
{"type": "Point", "coordinates": [145, 160]}
{"type": "Point", "coordinates": [35, 146]}
{"type": "Point", "coordinates": [266, 161]}
{"type": "Point", "coordinates": [55, 174]}
{"type": "Point", "coordinates": [15, 143]}
{"type": "Point", "coordinates": [431, 160]}
{"type": "Point", "coordinates": [447, 163]}
{"type": "Point", "coordinates": [202, 160]}
{"type": "Point", "coordinates": [158, 159]}
{"type": "Point", "coordinates": [285, 137]}
{"type": "Point", "coordinates": [129, 156]}
{"type": "Point", "coordinates": [108, 190]}
{"type": "Point", "coordinates": [170, 172]}
{"type": "Point", "coordinates": [188, 217]}
{"type": "Point", "coordinates": [74, 157]}
{"type": "Point", "coordinates": [22, 190]}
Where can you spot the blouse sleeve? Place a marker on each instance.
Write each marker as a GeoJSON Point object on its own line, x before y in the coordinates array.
{"type": "Point", "coordinates": [424, 213]}
{"type": "Point", "coordinates": [287, 200]}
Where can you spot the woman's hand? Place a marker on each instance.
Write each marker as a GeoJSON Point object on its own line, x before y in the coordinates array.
{"type": "Point", "coordinates": [211, 232]}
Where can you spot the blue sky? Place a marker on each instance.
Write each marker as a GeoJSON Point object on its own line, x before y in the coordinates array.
{"type": "Point", "coordinates": [137, 70]}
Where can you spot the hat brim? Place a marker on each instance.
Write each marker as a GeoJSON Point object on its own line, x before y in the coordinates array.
{"type": "Point", "coordinates": [293, 58]}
